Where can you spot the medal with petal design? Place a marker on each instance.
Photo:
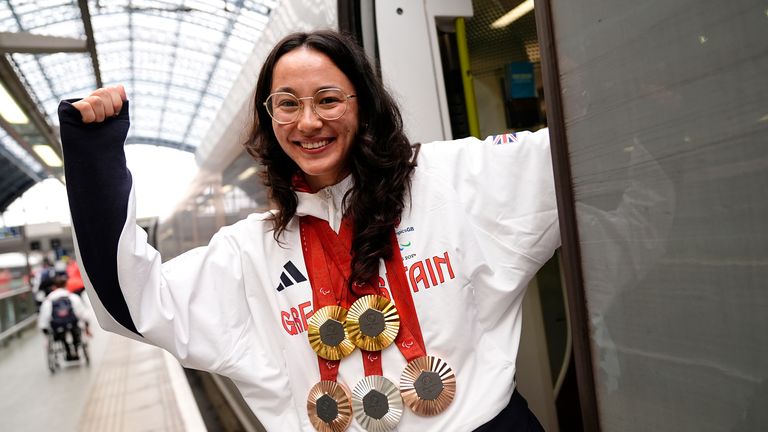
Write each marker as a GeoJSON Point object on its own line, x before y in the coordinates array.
{"type": "Point", "coordinates": [428, 385]}
{"type": "Point", "coordinates": [327, 334]}
{"type": "Point", "coordinates": [377, 404]}
{"type": "Point", "coordinates": [372, 322]}
{"type": "Point", "coordinates": [329, 406]}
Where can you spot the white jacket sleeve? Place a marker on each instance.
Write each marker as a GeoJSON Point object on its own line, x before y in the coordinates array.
{"type": "Point", "coordinates": [78, 307]}
{"type": "Point", "coordinates": [506, 185]}
{"type": "Point", "coordinates": [44, 315]}
{"type": "Point", "coordinates": [193, 306]}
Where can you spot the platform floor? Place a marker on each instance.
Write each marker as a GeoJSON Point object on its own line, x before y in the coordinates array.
{"type": "Point", "coordinates": [128, 387]}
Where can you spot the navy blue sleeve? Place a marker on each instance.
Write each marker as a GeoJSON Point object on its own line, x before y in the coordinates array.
{"type": "Point", "coordinates": [98, 189]}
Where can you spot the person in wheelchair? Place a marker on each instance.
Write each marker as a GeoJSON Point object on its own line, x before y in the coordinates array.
{"type": "Point", "coordinates": [62, 312]}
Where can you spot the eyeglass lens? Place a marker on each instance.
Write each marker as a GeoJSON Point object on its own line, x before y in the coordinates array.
{"type": "Point", "coordinates": [329, 104]}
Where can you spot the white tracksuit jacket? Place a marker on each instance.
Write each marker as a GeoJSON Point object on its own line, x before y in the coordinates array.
{"type": "Point", "coordinates": [480, 221]}
{"type": "Point", "coordinates": [44, 317]}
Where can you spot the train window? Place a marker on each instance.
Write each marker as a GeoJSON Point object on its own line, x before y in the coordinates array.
{"type": "Point", "coordinates": [506, 67]}
{"type": "Point", "coordinates": [666, 123]}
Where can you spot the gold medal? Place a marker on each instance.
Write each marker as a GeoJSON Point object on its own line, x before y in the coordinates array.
{"type": "Point", "coordinates": [428, 385]}
{"type": "Point", "coordinates": [372, 322]}
{"type": "Point", "coordinates": [327, 334]}
{"type": "Point", "coordinates": [377, 404]}
{"type": "Point", "coordinates": [329, 407]}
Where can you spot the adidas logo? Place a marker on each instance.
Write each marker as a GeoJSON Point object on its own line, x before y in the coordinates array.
{"type": "Point", "coordinates": [285, 280]}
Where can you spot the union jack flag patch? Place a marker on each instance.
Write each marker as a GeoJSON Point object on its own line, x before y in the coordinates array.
{"type": "Point", "coordinates": [504, 138]}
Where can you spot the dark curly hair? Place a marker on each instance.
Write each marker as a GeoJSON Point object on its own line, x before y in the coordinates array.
{"type": "Point", "coordinates": [380, 158]}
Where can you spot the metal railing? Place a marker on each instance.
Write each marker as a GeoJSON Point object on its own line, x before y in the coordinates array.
{"type": "Point", "coordinates": [17, 311]}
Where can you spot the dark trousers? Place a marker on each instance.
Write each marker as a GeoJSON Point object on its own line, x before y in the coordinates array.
{"type": "Point", "coordinates": [59, 334]}
{"type": "Point", "coordinates": [516, 417]}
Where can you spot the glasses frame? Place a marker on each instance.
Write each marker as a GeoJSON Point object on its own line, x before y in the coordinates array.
{"type": "Point", "coordinates": [312, 104]}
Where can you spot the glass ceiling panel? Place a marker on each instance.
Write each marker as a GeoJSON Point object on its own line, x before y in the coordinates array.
{"type": "Point", "coordinates": [198, 131]}
{"type": "Point", "coordinates": [7, 21]}
{"type": "Point", "coordinates": [186, 108]}
{"type": "Point", "coordinates": [176, 120]}
{"type": "Point", "coordinates": [114, 27]}
{"type": "Point", "coordinates": [177, 59]}
{"type": "Point", "coordinates": [211, 103]}
{"type": "Point", "coordinates": [33, 75]}
{"type": "Point", "coordinates": [114, 62]}
{"type": "Point", "coordinates": [10, 145]}
{"type": "Point", "coordinates": [47, 17]}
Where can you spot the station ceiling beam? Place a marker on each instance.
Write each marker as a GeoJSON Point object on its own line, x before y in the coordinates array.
{"type": "Point", "coordinates": [26, 146]}
{"type": "Point", "coordinates": [19, 93]}
{"type": "Point", "coordinates": [25, 42]}
{"type": "Point", "coordinates": [91, 42]}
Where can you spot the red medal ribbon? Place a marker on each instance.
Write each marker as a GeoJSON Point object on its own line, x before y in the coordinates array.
{"type": "Point", "coordinates": [320, 245]}
{"type": "Point", "coordinates": [409, 340]}
{"type": "Point", "coordinates": [337, 247]}
{"type": "Point", "coordinates": [323, 290]}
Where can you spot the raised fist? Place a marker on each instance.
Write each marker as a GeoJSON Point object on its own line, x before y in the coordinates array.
{"type": "Point", "coordinates": [101, 104]}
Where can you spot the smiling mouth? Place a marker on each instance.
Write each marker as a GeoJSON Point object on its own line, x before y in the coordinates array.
{"type": "Point", "coordinates": [314, 145]}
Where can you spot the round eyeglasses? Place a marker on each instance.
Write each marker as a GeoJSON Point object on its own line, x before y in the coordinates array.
{"type": "Point", "coordinates": [328, 104]}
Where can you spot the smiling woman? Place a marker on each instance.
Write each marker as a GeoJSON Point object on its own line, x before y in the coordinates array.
{"type": "Point", "coordinates": [374, 242]}
{"type": "Point", "coordinates": [323, 149]}
{"type": "Point", "coordinates": [319, 145]}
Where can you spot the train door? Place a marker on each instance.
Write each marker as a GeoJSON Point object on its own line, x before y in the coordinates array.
{"type": "Point", "coordinates": [457, 72]}
{"type": "Point", "coordinates": [659, 122]}
{"type": "Point", "coordinates": [492, 75]}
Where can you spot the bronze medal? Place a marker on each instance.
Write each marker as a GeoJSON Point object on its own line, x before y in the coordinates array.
{"type": "Point", "coordinates": [428, 385]}
{"type": "Point", "coordinates": [327, 334]}
{"type": "Point", "coordinates": [372, 322]}
{"type": "Point", "coordinates": [377, 404]}
{"type": "Point", "coordinates": [329, 407]}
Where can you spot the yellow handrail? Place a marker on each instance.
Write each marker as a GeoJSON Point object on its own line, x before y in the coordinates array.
{"type": "Point", "coordinates": [466, 78]}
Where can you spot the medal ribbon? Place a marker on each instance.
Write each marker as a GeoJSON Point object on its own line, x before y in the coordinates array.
{"type": "Point", "coordinates": [337, 247]}
{"type": "Point", "coordinates": [324, 291]}
{"type": "Point", "coordinates": [409, 339]}
{"type": "Point", "coordinates": [329, 282]}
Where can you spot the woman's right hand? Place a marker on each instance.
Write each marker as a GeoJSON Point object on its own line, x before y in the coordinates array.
{"type": "Point", "coordinates": [101, 104]}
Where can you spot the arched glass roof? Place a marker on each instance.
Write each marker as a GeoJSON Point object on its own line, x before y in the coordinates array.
{"type": "Point", "coordinates": [177, 59]}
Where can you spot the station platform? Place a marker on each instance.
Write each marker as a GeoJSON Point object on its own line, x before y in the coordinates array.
{"type": "Point", "coordinates": [128, 386]}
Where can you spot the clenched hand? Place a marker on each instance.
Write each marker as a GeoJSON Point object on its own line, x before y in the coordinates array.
{"type": "Point", "coordinates": [101, 104]}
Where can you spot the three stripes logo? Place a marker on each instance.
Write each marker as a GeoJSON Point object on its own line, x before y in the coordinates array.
{"type": "Point", "coordinates": [290, 271]}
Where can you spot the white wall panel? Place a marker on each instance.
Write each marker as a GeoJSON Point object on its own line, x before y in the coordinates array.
{"type": "Point", "coordinates": [410, 62]}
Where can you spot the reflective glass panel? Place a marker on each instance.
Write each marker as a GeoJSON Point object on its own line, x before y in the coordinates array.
{"type": "Point", "coordinates": [667, 125]}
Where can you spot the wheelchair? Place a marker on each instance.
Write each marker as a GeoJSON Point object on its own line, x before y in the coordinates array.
{"type": "Point", "coordinates": [58, 339]}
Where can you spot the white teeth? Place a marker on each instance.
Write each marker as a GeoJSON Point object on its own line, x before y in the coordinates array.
{"type": "Point", "coordinates": [314, 145]}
